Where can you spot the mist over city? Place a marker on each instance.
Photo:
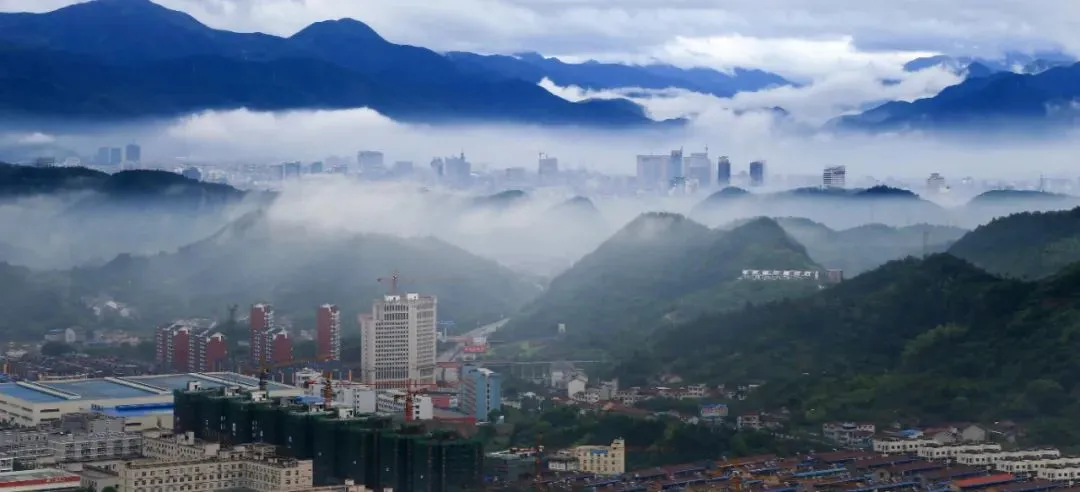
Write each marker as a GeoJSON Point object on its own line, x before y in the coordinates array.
{"type": "Point", "coordinates": [523, 245]}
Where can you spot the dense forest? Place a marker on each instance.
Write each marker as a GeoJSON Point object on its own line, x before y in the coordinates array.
{"type": "Point", "coordinates": [868, 246]}
{"type": "Point", "coordinates": [929, 340]}
{"type": "Point", "coordinates": [1027, 245]}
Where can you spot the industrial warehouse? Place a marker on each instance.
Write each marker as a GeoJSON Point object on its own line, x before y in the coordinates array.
{"type": "Point", "coordinates": [30, 403]}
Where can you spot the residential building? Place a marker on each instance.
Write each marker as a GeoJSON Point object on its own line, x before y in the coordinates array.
{"type": "Point", "coordinates": [116, 156]}
{"type": "Point", "coordinates": [457, 171]}
{"type": "Point", "coordinates": [951, 451]}
{"type": "Point", "coordinates": [590, 396]}
{"type": "Point", "coordinates": [757, 174]}
{"type": "Point", "coordinates": [392, 402]}
{"type": "Point", "coordinates": [328, 332]}
{"type": "Point", "coordinates": [576, 384]}
{"type": "Point", "coordinates": [1029, 467]}
{"type": "Point", "coordinates": [260, 320]}
{"type": "Point", "coordinates": [748, 421]}
{"type": "Point", "coordinates": [602, 460]}
{"type": "Point", "coordinates": [723, 171]}
{"type": "Point", "coordinates": [179, 447]}
{"type": "Point", "coordinates": [563, 463]}
{"type": "Point", "coordinates": [277, 346]}
{"type": "Point", "coordinates": [96, 478]}
{"type": "Point", "coordinates": [1059, 473]}
{"type": "Point", "coordinates": [481, 392]}
{"type": "Point", "coordinates": [399, 342]}
{"type": "Point", "coordinates": [95, 446]}
{"type": "Point", "coordinates": [183, 347]}
{"type": "Point", "coordinates": [251, 467]}
{"type": "Point", "coordinates": [834, 177]}
{"type": "Point", "coordinates": [892, 445]}
{"type": "Point", "coordinates": [674, 172]}
{"type": "Point", "coordinates": [849, 433]}
{"type": "Point", "coordinates": [360, 397]}
{"type": "Point", "coordinates": [992, 458]}
{"type": "Point", "coordinates": [7, 463]}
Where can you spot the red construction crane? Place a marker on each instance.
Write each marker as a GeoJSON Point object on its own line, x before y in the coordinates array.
{"type": "Point", "coordinates": [411, 390]}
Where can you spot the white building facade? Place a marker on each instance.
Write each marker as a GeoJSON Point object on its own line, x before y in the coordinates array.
{"type": "Point", "coordinates": [399, 342]}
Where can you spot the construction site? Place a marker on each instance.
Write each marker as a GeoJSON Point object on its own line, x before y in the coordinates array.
{"type": "Point", "coordinates": [377, 452]}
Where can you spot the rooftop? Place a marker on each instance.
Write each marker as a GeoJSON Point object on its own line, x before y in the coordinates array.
{"type": "Point", "coordinates": [44, 392]}
{"type": "Point", "coordinates": [10, 479]}
{"type": "Point", "coordinates": [994, 479]}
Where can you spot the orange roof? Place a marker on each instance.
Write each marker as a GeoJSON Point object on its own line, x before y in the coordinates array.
{"type": "Point", "coordinates": [987, 480]}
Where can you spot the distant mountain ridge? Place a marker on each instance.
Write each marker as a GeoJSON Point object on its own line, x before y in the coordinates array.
{"type": "Point", "coordinates": [92, 60]}
{"type": "Point", "coordinates": [594, 75]}
{"type": "Point", "coordinates": [999, 100]}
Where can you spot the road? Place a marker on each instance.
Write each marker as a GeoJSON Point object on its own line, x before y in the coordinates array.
{"type": "Point", "coordinates": [483, 331]}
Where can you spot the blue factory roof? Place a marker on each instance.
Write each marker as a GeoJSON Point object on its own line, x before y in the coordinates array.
{"type": "Point", "coordinates": [161, 386]}
{"type": "Point", "coordinates": [28, 394]}
{"type": "Point", "coordinates": [97, 389]}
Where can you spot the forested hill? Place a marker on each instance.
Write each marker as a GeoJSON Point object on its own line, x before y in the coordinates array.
{"type": "Point", "coordinates": [929, 340]}
{"type": "Point", "coordinates": [656, 265]}
{"type": "Point", "coordinates": [1025, 245]}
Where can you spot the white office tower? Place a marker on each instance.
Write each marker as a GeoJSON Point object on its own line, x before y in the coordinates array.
{"type": "Point", "coordinates": [834, 177]}
{"type": "Point", "coordinates": [399, 342]}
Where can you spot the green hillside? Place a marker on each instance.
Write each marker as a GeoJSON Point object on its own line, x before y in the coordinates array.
{"type": "Point", "coordinates": [917, 340]}
{"type": "Point", "coordinates": [657, 269]}
{"type": "Point", "coordinates": [1026, 245]}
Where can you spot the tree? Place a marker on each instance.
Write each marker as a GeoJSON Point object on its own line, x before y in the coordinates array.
{"type": "Point", "coordinates": [56, 349]}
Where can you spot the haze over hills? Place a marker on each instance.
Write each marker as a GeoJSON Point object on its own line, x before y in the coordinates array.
{"type": "Point", "coordinates": [868, 246]}
{"type": "Point", "coordinates": [597, 76]}
{"type": "Point", "coordinates": [1028, 245]}
{"type": "Point", "coordinates": [631, 282]}
{"type": "Point", "coordinates": [61, 217]}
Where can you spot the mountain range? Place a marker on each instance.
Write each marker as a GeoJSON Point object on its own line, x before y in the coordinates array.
{"type": "Point", "coordinates": [1000, 100]}
{"type": "Point", "coordinates": [93, 61]}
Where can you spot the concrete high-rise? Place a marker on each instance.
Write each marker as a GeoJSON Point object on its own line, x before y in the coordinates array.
{"type": "Point", "coordinates": [399, 341]}
{"type": "Point", "coordinates": [481, 392]}
{"type": "Point", "coordinates": [674, 170]}
{"type": "Point", "coordinates": [757, 173]}
{"type": "Point", "coordinates": [723, 171]}
{"type": "Point", "coordinates": [116, 156]}
{"type": "Point", "coordinates": [328, 332]}
{"type": "Point", "coordinates": [650, 170]}
{"type": "Point", "coordinates": [547, 167]}
{"type": "Point", "coordinates": [699, 168]}
{"type": "Point", "coordinates": [370, 162]}
{"type": "Point", "coordinates": [834, 177]}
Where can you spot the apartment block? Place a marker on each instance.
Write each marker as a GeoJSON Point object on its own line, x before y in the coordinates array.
{"type": "Point", "coordinates": [602, 460]}
{"type": "Point", "coordinates": [252, 467]}
{"type": "Point", "coordinates": [399, 342]}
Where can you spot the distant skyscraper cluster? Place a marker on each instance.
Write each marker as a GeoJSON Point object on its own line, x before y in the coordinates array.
{"type": "Point", "coordinates": [115, 156]}
{"type": "Point", "coordinates": [675, 170]}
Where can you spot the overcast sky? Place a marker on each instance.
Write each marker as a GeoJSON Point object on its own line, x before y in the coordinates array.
{"type": "Point", "coordinates": [786, 36]}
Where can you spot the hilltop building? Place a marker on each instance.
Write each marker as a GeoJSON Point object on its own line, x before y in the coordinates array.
{"type": "Point", "coordinates": [834, 177]}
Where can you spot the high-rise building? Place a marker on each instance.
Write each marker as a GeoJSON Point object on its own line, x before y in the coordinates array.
{"type": "Point", "coordinates": [399, 341]}
{"type": "Point", "coordinates": [757, 173]}
{"type": "Point", "coordinates": [370, 162]}
{"type": "Point", "coordinates": [699, 168]}
{"type": "Point", "coordinates": [133, 153]}
{"type": "Point", "coordinates": [328, 332]}
{"type": "Point", "coordinates": [102, 156]}
{"type": "Point", "coordinates": [547, 166]}
{"type": "Point", "coordinates": [674, 170]}
{"type": "Point", "coordinates": [261, 320]}
{"type": "Point", "coordinates": [291, 170]}
{"type": "Point", "coordinates": [116, 156]}
{"type": "Point", "coordinates": [650, 170]}
{"type": "Point", "coordinates": [438, 167]}
{"type": "Point", "coordinates": [834, 177]}
{"type": "Point", "coordinates": [316, 167]}
{"type": "Point", "coordinates": [278, 346]}
{"type": "Point", "coordinates": [457, 171]}
{"type": "Point", "coordinates": [723, 171]}
{"type": "Point", "coordinates": [481, 392]}
{"type": "Point", "coordinates": [185, 348]}
{"type": "Point", "coordinates": [935, 183]}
